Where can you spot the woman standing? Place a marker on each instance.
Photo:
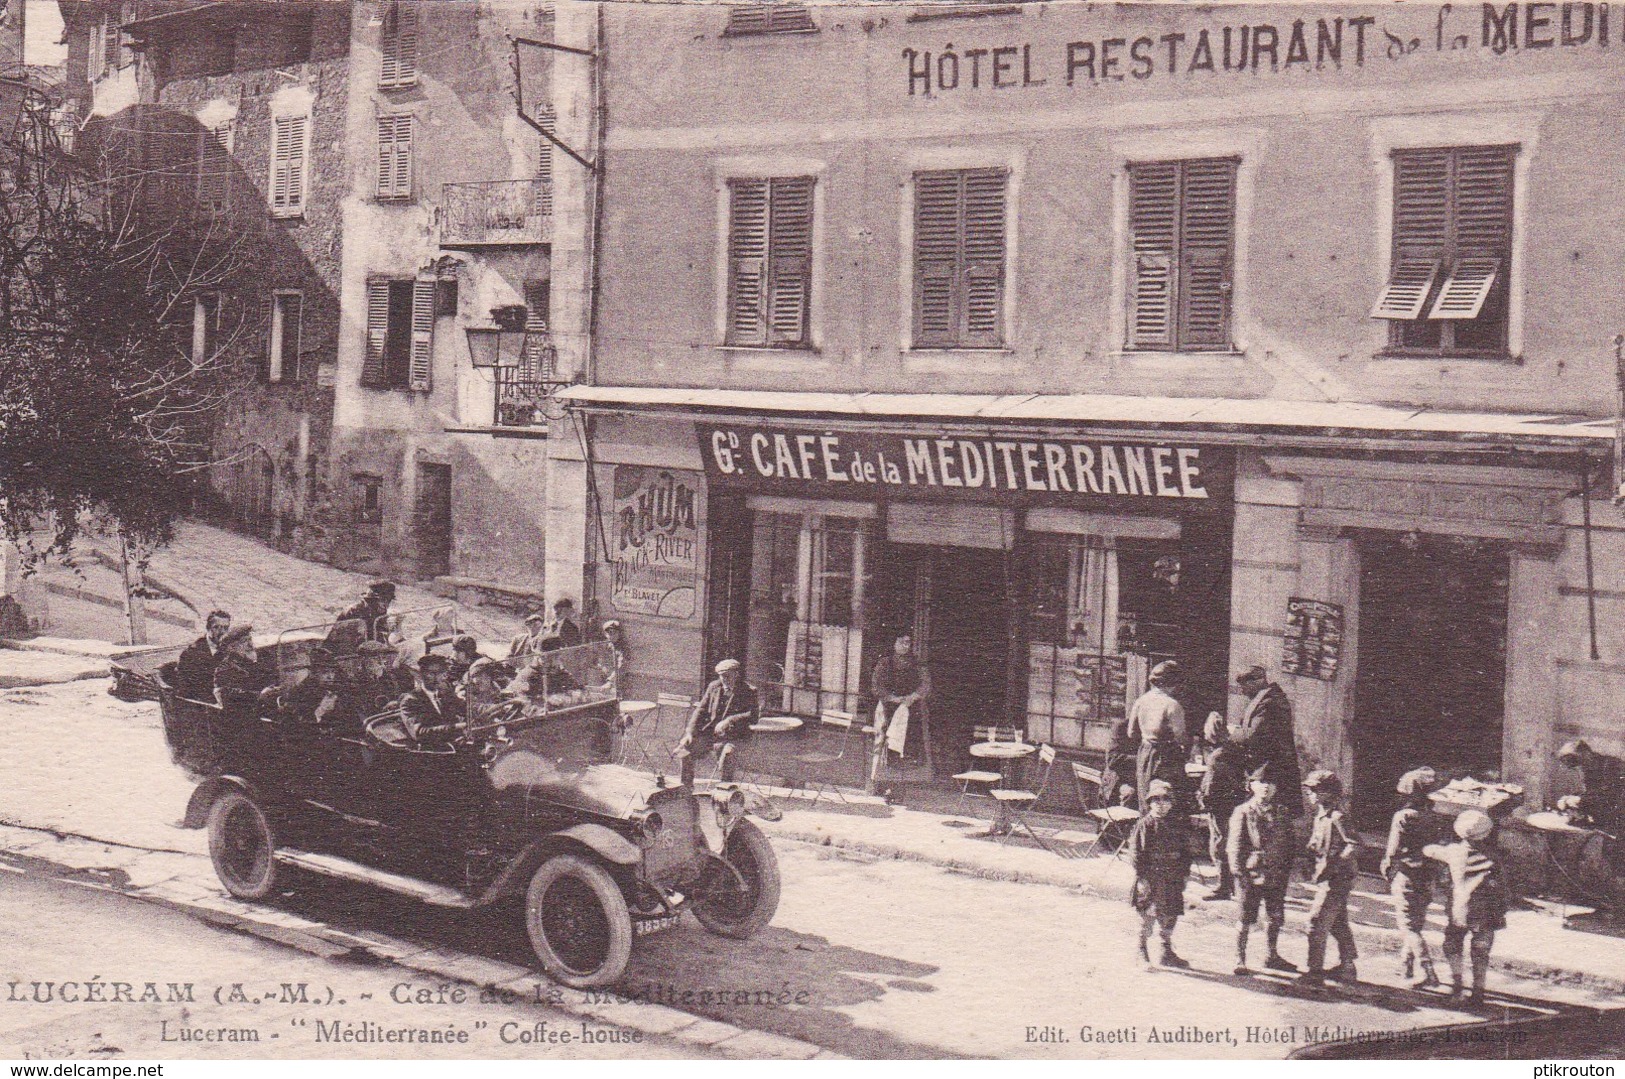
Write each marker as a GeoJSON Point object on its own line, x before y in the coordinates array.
{"type": "Point", "coordinates": [1410, 874]}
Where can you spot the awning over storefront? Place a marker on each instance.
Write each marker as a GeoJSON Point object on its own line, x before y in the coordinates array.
{"type": "Point", "coordinates": [1257, 423]}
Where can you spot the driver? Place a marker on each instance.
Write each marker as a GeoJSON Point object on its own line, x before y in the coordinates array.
{"type": "Point", "coordinates": [432, 712]}
{"type": "Point", "coordinates": [543, 675]}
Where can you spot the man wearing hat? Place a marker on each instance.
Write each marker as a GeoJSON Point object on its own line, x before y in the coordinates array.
{"type": "Point", "coordinates": [1160, 857]}
{"type": "Point", "coordinates": [721, 719]}
{"type": "Point", "coordinates": [432, 711]}
{"type": "Point", "coordinates": [564, 625]}
{"type": "Point", "coordinates": [1157, 722]}
{"type": "Point", "coordinates": [1478, 897]}
{"type": "Point", "coordinates": [194, 669]}
{"type": "Point", "coordinates": [316, 696]}
{"type": "Point", "coordinates": [363, 620]}
{"type": "Point", "coordinates": [1265, 734]}
{"type": "Point", "coordinates": [529, 643]}
{"type": "Point", "coordinates": [1261, 850]}
{"type": "Point", "coordinates": [465, 652]}
{"type": "Point", "coordinates": [1335, 853]}
{"type": "Point", "coordinates": [239, 680]}
{"type": "Point", "coordinates": [1602, 788]}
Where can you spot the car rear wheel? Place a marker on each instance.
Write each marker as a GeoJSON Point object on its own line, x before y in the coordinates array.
{"type": "Point", "coordinates": [740, 907]}
{"type": "Point", "coordinates": [578, 922]}
{"type": "Point", "coordinates": [242, 845]}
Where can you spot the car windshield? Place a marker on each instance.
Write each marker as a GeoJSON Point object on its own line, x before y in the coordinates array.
{"type": "Point", "coordinates": [557, 699]}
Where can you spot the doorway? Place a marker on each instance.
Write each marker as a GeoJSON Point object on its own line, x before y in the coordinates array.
{"type": "Point", "coordinates": [1432, 662]}
{"type": "Point", "coordinates": [431, 520]}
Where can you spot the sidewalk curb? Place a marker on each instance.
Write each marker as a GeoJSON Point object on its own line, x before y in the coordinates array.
{"type": "Point", "coordinates": [1372, 940]}
{"type": "Point", "coordinates": [182, 893]}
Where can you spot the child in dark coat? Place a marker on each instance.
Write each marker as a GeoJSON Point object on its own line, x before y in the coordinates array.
{"type": "Point", "coordinates": [1478, 897]}
{"type": "Point", "coordinates": [1161, 862]}
{"type": "Point", "coordinates": [1224, 787]}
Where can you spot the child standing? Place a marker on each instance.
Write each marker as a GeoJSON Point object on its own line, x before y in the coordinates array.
{"type": "Point", "coordinates": [1410, 874]}
{"type": "Point", "coordinates": [1478, 898]}
{"type": "Point", "coordinates": [1161, 863]}
{"type": "Point", "coordinates": [1224, 787]}
{"type": "Point", "coordinates": [1261, 851]}
{"type": "Point", "coordinates": [1336, 867]}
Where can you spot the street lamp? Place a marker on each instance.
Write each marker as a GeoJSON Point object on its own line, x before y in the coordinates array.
{"type": "Point", "coordinates": [495, 346]}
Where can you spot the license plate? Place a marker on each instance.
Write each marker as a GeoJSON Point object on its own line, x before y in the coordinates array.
{"type": "Point", "coordinates": [644, 926]}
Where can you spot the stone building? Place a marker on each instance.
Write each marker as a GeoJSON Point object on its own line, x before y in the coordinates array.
{"type": "Point", "coordinates": [1069, 338]}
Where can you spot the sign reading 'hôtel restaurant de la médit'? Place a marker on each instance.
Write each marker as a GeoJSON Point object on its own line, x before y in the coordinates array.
{"type": "Point", "coordinates": [985, 468]}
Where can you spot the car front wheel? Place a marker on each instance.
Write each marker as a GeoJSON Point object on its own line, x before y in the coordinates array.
{"type": "Point", "coordinates": [740, 907]}
{"type": "Point", "coordinates": [578, 922]}
{"type": "Point", "coordinates": [242, 845]}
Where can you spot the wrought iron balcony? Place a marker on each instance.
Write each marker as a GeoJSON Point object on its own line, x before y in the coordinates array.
{"type": "Point", "coordinates": [523, 393]}
{"type": "Point", "coordinates": [496, 213]}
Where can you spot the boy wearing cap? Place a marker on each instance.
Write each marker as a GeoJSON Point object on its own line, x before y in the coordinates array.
{"type": "Point", "coordinates": [721, 719]}
{"type": "Point", "coordinates": [1261, 850]}
{"type": "Point", "coordinates": [1409, 875]}
{"type": "Point", "coordinates": [1478, 897]}
{"type": "Point", "coordinates": [1335, 853]}
{"type": "Point", "coordinates": [1161, 863]}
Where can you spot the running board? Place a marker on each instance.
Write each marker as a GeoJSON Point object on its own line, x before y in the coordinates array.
{"type": "Point", "coordinates": [437, 895]}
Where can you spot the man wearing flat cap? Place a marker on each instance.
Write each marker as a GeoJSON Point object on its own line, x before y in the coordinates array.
{"type": "Point", "coordinates": [316, 696]}
{"type": "Point", "coordinates": [363, 620]}
{"type": "Point", "coordinates": [240, 683]}
{"type": "Point", "coordinates": [721, 720]}
{"type": "Point", "coordinates": [528, 643]}
{"type": "Point", "coordinates": [1265, 734]}
{"type": "Point", "coordinates": [564, 625]}
{"type": "Point", "coordinates": [1157, 722]}
{"type": "Point", "coordinates": [1601, 800]}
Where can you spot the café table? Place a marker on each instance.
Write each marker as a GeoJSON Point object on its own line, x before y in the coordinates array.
{"type": "Point", "coordinates": [1556, 824]}
{"type": "Point", "coordinates": [1005, 753]}
{"type": "Point", "coordinates": [776, 725]}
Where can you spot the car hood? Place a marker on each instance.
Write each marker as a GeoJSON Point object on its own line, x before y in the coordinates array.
{"type": "Point", "coordinates": [604, 789]}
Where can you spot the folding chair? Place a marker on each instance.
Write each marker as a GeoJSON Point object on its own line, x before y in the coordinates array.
{"type": "Point", "coordinates": [822, 755]}
{"type": "Point", "coordinates": [977, 777]}
{"type": "Point", "coordinates": [1018, 803]}
{"type": "Point", "coordinates": [1108, 817]}
{"type": "Point", "coordinates": [636, 741]}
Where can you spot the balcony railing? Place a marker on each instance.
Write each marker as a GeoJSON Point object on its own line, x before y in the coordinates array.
{"type": "Point", "coordinates": [496, 213]}
{"type": "Point", "coordinates": [523, 392]}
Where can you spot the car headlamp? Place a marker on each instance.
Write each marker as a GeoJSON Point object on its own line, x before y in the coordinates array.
{"type": "Point", "coordinates": [730, 809]}
{"type": "Point", "coordinates": [649, 828]}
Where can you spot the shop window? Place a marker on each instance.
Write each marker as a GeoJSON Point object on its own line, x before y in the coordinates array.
{"type": "Point", "coordinates": [1452, 248]}
{"type": "Point", "coordinates": [400, 334]}
{"type": "Point", "coordinates": [399, 47]}
{"type": "Point", "coordinates": [395, 158]}
{"type": "Point", "coordinates": [959, 258]}
{"type": "Point", "coordinates": [744, 19]}
{"type": "Point", "coordinates": [808, 577]}
{"type": "Point", "coordinates": [770, 225]}
{"type": "Point", "coordinates": [1182, 219]}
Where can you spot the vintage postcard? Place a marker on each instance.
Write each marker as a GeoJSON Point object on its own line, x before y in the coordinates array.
{"type": "Point", "coordinates": [870, 530]}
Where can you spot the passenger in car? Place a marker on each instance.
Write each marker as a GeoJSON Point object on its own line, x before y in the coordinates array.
{"type": "Point", "coordinates": [432, 712]}
{"type": "Point", "coordinates": [315, 698]}
{"type": "Point", "coordinates": [543, 676]}
{"type": "Point", "coordinates": [239, 681]}
{"type": "Point", "coordinates": [374, 687]}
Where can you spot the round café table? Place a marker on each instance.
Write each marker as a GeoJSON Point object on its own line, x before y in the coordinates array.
{"type": "Point", "coordinates": [776, 725]}
{"type": "Point", "coordinates": [1004, 753]}
{"type": "Point", "coordinates": [1555, 824]}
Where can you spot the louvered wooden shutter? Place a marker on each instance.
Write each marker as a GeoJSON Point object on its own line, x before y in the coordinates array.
{"type": "Point", "coordinates": [373, 371]}
{"type": "Point", "coordinates": [399, 47]}
{"type": "Point", "coordinates": [214, 168]}
{"type": "Point", "coordinates": [1421, 232]}
{"type": "Point", "coordinates": [747, 262]}
{"type": "Point", "coordinates": [1206, 246]}
{"type": "Point", "coordinates": [289, 154]}
{"type": "Point", "coordinates": [937, 219]}
{"type": "Point", "coordinates": [1153, 243]}
{"type": "Point", "coordinates": [267, 373]}
{"type": "Point", "coordinates": [535, 359]}
{"type": "Point", "coordinates": [420, 374]}
{"type": "Point", "coordinates": [1481, 227]}
{"type": "Point", "coordinates": [293, 306]}
{"type": "Point", "coordinates": [395, 157]}
{"type": "Point", "coordinates": [548, 118]}
{"type": "Point", "coordinates": [790, 215]}
{"type": "Point", "coordinates": [982, 274]}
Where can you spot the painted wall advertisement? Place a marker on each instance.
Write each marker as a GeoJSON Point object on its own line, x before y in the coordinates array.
{"type": "Point", "coordinates": [655, 541]}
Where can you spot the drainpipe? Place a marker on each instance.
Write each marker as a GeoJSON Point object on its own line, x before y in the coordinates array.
{"type": "Point", "coordinates": [1619, 419]}
{"type": "Point", "coordinates": [1591, 580]}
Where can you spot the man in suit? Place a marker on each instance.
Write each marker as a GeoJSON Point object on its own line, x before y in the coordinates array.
{"type": "Point", "coordinates": [363, 620]}
{"type": "Point", "coordinates": [528, 643]}
{"type": "Point", "coordinates": [564, 625]}
{"type": "Point", "coordinates": [1265, 736]}
{"type": "Point", "coordinates": [316, 698]}
{"type": "Point", "coordinates": [432, 712]}
{"type": "Point", "coordinates": [239, 681]}
{"type": "Point", "coordinates": [194, 670]}
{"type": "Point", "coordinates": [721, 720]}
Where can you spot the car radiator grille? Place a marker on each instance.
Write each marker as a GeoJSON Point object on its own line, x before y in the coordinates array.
{"type": "Point", "coordinates": [671, 859]}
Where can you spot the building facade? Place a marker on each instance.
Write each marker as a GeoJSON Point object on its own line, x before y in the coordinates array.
{"type": "Point", "coordinates": [1071, 338]}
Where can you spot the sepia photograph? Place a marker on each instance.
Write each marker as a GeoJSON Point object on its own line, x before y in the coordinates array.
{"type": "Point", "coordinates": [858, 530]}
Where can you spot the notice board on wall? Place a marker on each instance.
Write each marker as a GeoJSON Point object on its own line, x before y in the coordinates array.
{"type": "Point", "coordinates": [1314, 638]}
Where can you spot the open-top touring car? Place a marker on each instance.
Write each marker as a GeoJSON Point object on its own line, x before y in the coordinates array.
{"type": "Point", "coordinates": [522, 801]}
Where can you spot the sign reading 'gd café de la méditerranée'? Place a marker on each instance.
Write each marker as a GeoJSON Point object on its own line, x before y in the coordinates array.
{"type": "Point", "coordinates": [1012, 469]}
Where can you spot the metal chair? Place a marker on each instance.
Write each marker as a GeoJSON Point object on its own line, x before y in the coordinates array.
{"type": "Point", "coordinates": [978, 777]}
{"type": "Point", "coordinates": [822, 755]}
{"type": "Point", "coordinates": [1018, 803]}
{"type": "Point", "coordinates": [1108, 816]}
{"type": "Point", "coordinates": [644, 727]}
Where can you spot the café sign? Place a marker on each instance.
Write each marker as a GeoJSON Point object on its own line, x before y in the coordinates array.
{"type": "Point", "coordinates": [1044, 471]}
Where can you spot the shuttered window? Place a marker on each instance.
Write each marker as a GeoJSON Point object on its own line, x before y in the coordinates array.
{"type": "Point", "coordinates": [282, 346]}
{"type": "Point", "coordinates": [536, 358]}
{"type": "Point", "coordinates": [768, 19]}
{"type": "Point", "coordinates": [548, 118]}
{"type": "Point", "coordinates": [959, 258]}
{"type": "Point", "coordinates": [1446, 291]}
{"type": "Point", "coordinates": [770, 226]}
{"type": "Point", "coordinates": [400, 334]}
{"type": "Point", "coordinates": [214, 169]}
{"type": "Point", "coordinates": [395, 157]}
{"type": "Point", "coordinates": [290, 155]}
{"type": "Point", "coordinates": [399, 47]}
{"type": "Point", "coordinates": [1182, 226]}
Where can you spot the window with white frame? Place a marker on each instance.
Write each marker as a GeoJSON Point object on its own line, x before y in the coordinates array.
{"type": "Point", "coordinates": [959, 258]}
{"type": "Point", "coordinates": [395, 158]}
{"type": "Point", "coordinates": [290, 164]}
{"type": "Point", "coordinates": [282, 343]}
{"type": "Point", "coordinates": [1182, 238]}
{"type": "Point", "coordinates": [399, 46]}
{"type": "Point", "coordinates": [770, 234]}
{"type": "Point", "coordinates": [1447, 284]}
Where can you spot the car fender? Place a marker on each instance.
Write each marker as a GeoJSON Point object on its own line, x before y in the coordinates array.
{"type": "Point", "coordinates": [202, 800]}
{"type": "Point", "coordinates": [607, 844]}
{"type": "Point", "coordinates": [594, 839]}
